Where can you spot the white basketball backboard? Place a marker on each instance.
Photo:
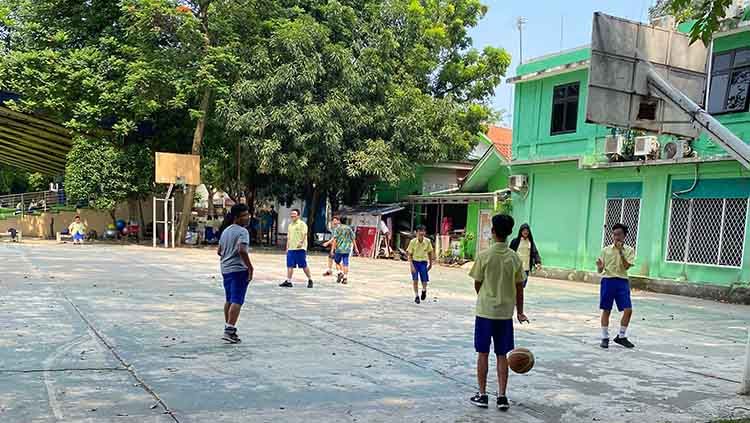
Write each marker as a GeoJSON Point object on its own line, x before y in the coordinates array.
{"type": "Point", "coordinates": [619, 94]}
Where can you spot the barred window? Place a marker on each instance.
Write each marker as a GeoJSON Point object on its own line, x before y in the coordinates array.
{"type": "Point", "coordinates": [622, 210]}
{"type": "Point", "coordinates": [707, 231]}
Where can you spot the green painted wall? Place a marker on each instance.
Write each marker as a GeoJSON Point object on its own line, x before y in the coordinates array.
{"type": "Point", "coordinates": [393, 194]}
{"type": "Point", "coordinates": [532, 119]}
{"type": "Point", "coordinates": [565, 207]}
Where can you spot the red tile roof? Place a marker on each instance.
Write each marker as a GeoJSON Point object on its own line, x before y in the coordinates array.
{"type": "Point", "coordinates": [502, 138]}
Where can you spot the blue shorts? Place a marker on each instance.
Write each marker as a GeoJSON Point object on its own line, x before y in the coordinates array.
{"type": "Point", "coordinates": [614, 290]}
{"type": "Point", "coordinates": [500, 332]}
{"type": "Point", "coordinates": [342, 257]}
{"type": "Point", "coordinates": [235, 286]}
{"type": "Point", "coordinates": [296, 258]}
{"type": "Point", "coordinates": [77, 236]}
{"type": "Point", "coordinates": [421, 271]}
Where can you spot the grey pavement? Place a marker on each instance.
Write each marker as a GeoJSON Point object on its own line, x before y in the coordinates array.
{"type": "Point", "coordinates": [101, 333]}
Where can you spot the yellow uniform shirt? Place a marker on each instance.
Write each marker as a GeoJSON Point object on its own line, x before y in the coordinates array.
{"type": "Point", "coordinates": [524, 251]}
{"type": "Point", "coordinates": [297, 234]}
{"type": "Point", "coordinates": [499, 269]}
{"type": "Point", "coordinates": [420, 251]}
{"type": "Point", "coordinates": [77, 228]}
{"type": "Point", "coordinates": [613, 267]}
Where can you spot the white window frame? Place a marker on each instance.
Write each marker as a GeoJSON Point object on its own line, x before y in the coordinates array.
{"type": "Point", "coordinates": [622, 212]}
{"type": "Point", "coordinates": [721, 235]}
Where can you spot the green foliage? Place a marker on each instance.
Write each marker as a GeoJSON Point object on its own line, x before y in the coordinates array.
{"type": "Point", "coordinates": [706, 14]}
{"type": "Point", "coordinates": [346, 93]}
{"type": "Point", "coordinates": [13, 180]}
{"type": "Point", "coordinates": [504, 207]}
{"type": "Point", "coordinates": [38, 182]}
{"type": "Point", "coordinates": [107, 174]}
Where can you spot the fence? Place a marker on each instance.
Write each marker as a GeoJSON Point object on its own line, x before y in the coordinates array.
{"type": "Point", "coordinates": [30, 202]}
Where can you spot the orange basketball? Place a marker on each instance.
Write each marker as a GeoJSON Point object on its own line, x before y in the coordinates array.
{"type": "Point", "coordinates": [520, 360]}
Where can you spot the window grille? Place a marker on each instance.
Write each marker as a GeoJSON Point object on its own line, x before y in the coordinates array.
{"type": "Point", "coordinates": [707, 231]}
{"type": "Point", "coordinates": [622, 210]}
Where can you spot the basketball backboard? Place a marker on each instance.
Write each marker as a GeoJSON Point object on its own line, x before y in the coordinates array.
{"type": "Point", "coordinates": [619, 93]}
{"type": "Point", "coordinates": [172, 168]}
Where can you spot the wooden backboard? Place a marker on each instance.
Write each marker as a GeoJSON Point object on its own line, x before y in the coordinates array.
{"type": "Point", "coordinates": [170, 166]}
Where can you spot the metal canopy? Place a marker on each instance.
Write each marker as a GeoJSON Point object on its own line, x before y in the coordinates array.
{"type": "Point", "coordinates": [32, 143]}
{"type": "Point", "coordinates": [457, 198]}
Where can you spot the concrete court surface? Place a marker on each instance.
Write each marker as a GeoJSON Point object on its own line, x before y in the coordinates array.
{"type": "Point", "coordinates": [102, 333]}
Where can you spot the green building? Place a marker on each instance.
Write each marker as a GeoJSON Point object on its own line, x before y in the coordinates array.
{"type": "Point", "coordinates": [687, 214]}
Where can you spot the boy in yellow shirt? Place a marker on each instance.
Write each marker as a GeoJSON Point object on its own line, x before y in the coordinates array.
{"type": "Point", "coordinates": [77, 230]}
{"type": "Point", "coordinates": [421, 254]}
{"type": "Point", "coordinates": [498, 279]}
{"type": "Point", "coordinates": [613, 263]}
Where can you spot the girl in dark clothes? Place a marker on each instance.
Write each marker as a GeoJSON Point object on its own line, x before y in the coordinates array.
{"type": "Point", "coordinates": [524, 245]}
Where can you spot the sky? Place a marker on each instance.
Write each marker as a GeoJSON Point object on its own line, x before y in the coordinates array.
{"type": "Point", "coordinates": [542, 34]}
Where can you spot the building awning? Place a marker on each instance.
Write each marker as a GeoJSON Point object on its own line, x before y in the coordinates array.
{"type": "Point", "coordinates": [32, 143]}
{"type": "Point", "coordinates": [457, 198]}
{"type": "Point", "coordinates": [378, 210]}
{"type": "Point", "coordinates": [556, 70]}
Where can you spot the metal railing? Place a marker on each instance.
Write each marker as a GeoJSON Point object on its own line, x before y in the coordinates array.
{"type": "Point", "coordinates": [32, 202]}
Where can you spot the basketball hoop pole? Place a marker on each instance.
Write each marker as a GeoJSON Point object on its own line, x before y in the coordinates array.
{"type": "Point", "coordinates": [745, 388]}
{"type": "Point", "coordinates": [718, 132]}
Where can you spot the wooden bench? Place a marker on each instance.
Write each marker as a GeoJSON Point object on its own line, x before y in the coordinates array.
{"type": "Point", "coordinates": [60, 237]}
{"type": "Point", "coordinates": [9, 235]}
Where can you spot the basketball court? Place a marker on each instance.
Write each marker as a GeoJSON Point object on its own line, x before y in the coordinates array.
{"type": "Point", "coordinates": [132, 334]}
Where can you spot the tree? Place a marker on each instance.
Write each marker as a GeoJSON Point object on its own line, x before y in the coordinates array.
{"type": "Point", "coordinates": [106, 174]}
{"type": "Point", "coordinates": [706, 14]}
{"type": "Point", "coordinates": [13, 180]}
{"type": "Point", "coordinates": [350, 92]}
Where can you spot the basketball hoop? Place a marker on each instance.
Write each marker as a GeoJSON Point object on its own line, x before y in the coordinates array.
{"type": "Point", "coordinates": [178, 170]}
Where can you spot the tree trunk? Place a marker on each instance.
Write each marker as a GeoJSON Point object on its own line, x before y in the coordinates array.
{"type": "Point", "coordinates": [187, 201]}
{"type": "Point", "coordinates": [311, 218]}
{"type": "Point", "coordinates": [211, 209]}
{"type": "Point", "coordinates": [142, 234]}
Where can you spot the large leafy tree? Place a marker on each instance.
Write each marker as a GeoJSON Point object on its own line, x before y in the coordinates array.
{"type": "Point", "coordinates": [106, 175]}
{"type": "Point", "coordinates": [123, 64]}
{"type": "Point", "coordinates": [347, 92]}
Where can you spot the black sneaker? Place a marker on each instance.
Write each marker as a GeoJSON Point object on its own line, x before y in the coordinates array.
{"type": "Point", "coordinates": [310, 283]}
{"type": "Point", "coordinates": [416, 299]}
{"type": "Point", "coordinates": [623, 341]}
{"type": "Point", "coordinates": [502, 403]}
{"type": "Point", "coordinates": [344, 281]}
{"type": "Point", "coordinates": [424, 295]}
{"type": "Point", "coordinates": [339, 278]}
{"type": "Point", "coordinates": [479, 400]}
{"type": "Point", "coordinates": [605, 343]}
{"type": "Point", "coordinates": [286, 284]}
{"type": "Point", "coordinates": [230, 335]}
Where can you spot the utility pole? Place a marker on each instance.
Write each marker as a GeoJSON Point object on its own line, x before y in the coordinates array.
{"type": "Point", "coordinates": [520, 22]}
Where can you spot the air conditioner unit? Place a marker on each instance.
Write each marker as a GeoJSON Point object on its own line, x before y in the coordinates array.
{"type": "Point", "coordinates": [517, 182]}
{"type": "Point", "coordinates": [646, 145]}
{"type": "Point", "coordinates": [613, 144]}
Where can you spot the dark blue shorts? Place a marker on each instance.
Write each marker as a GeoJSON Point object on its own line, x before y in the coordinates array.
{"type": "Point", "coordinates": [421, 271]}
{"type": "Point", "coordinates": [499, 332]}
{"type": "Point", "coordinates": [614, 290]}
{"type": "Point", "coordinates": [235, 286]}
{"type": "Point", "coordinates": [77, 236]}
{"type": "Point", "coordinates": [296, 258]}
{"type": "Point", "coordinates": [342, 258]}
